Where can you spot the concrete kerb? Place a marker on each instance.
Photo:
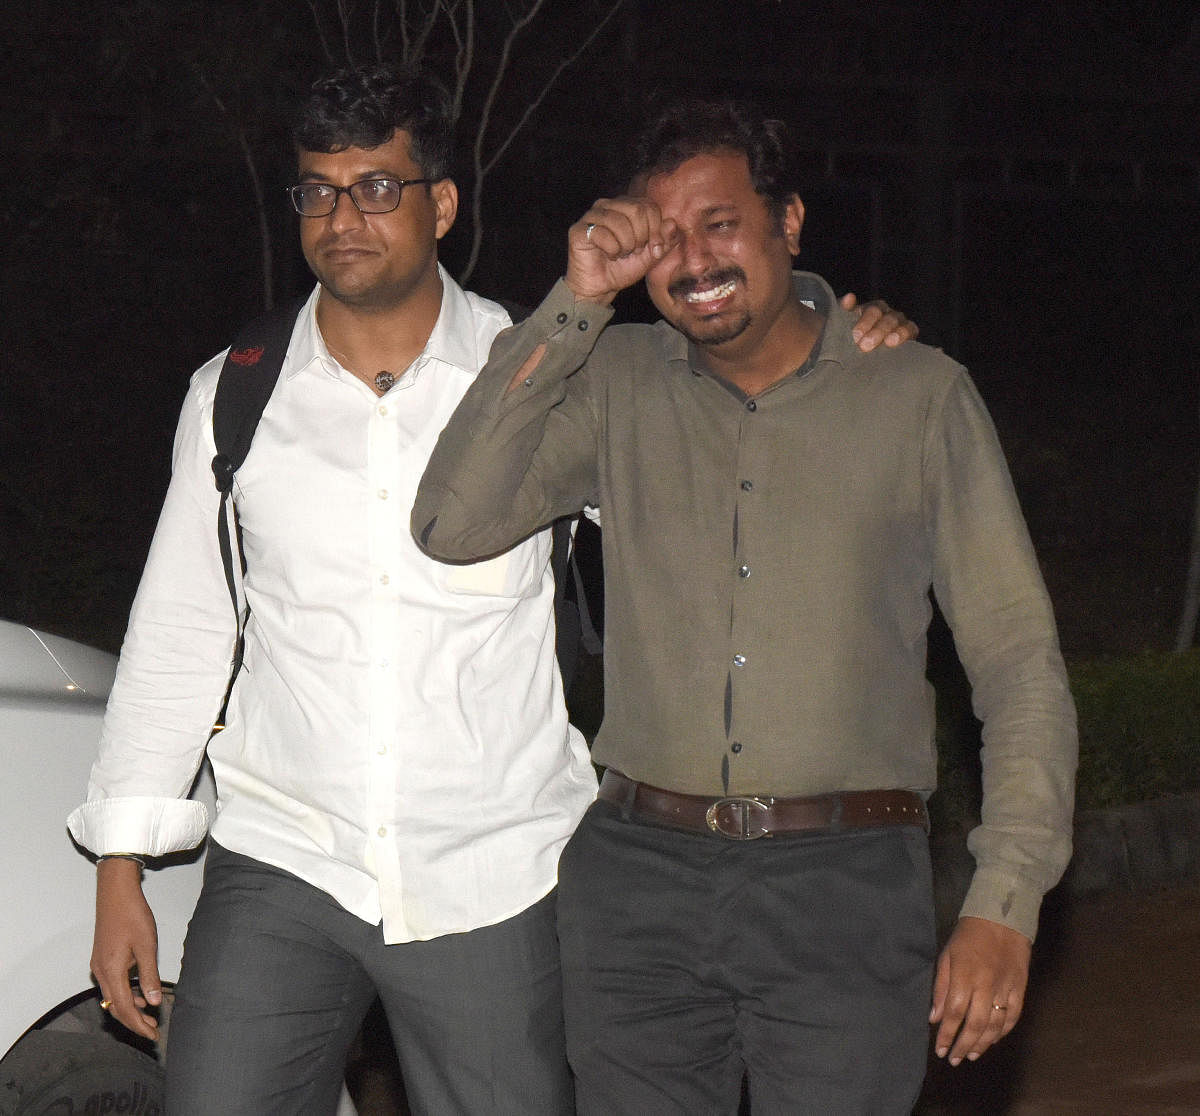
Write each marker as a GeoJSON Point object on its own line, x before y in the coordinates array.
{"type": "Point", "coordinates": [1136, 846]}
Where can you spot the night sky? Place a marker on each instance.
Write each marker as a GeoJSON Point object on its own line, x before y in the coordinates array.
{"type": "Point", "coordinates": [1022, 179]}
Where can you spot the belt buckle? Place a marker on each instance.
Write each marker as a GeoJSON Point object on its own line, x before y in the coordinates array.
{"type": "Point", "coordinates": [737, 810]}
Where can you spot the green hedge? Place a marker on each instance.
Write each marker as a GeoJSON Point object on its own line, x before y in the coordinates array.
{"type": "Point", "coordinates": [1139, 726]}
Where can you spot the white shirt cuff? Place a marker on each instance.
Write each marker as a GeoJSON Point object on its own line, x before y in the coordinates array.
{"type": "Point", "coordinates": [140, 825]}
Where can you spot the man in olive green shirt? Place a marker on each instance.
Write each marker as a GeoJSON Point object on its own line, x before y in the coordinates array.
{"type": "Point", "coordinates": [775, 509]}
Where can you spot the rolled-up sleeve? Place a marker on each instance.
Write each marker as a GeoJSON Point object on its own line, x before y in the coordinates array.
{"type": "Point", "coordinates": [141, 826]}
{"type": "Point", "coordinates": [174, 665]}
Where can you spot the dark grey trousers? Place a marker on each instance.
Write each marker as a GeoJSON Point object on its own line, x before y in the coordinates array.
{"type": "Point", "coordinates": [804, 962]}
{"type": "Point", "coordinates": [277, 978]}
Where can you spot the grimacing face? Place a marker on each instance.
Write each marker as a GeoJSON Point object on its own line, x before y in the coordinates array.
{"type": "Point", "coordinates": [726, 281]}
{"type": "Point", "coordinates": [375, 260]}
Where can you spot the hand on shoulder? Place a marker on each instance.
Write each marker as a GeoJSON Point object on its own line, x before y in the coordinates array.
{"type": "Point", "coordinates": [878, 324]}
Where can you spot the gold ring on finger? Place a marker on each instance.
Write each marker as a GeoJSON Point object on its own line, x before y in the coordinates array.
{"type": "Point", "coordinates": [105, 1005]}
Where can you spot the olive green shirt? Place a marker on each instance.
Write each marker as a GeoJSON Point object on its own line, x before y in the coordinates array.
{"type": "Point", "coordinates": [768, 563]}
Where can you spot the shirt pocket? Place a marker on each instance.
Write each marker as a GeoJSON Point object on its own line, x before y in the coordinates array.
{"type": "Point", "coordinates": [515, 573]}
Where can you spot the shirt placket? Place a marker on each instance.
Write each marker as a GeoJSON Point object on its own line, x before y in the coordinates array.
{"type": "Point", "coordinates": [383, 515]}
{"type": "Point", "coordinates": [749, 479]}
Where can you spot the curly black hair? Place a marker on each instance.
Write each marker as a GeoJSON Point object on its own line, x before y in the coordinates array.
{"type": "Point", "coordinates": [365, 106]}
{"type": "Point", "coordinates": [695, 126]}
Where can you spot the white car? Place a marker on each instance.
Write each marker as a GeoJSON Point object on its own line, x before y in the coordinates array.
{"type": "Point", "coordinates": [58, 1051]}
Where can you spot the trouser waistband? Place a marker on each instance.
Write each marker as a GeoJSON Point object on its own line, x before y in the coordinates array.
{"type": "Point", "coordinates": [747, 817]}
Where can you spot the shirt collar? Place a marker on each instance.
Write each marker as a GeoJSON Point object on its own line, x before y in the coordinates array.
{"type": "Point", "coordinates": [452, 341]}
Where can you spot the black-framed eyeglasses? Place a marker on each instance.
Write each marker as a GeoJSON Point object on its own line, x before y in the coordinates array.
{"type": "Point", "coordinates": [371, 195]}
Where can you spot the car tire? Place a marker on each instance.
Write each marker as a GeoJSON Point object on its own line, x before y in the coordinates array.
{"type": "Point", "coordinates": [51, 1073]}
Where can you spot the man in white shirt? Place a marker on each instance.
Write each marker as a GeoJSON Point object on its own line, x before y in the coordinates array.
{"type": "Point", "coordinates": [397, 776]}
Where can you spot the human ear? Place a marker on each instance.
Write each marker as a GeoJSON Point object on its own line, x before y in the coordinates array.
{"type": "Point", "coordinates": [445, 198]}
{"type": "Point", "coordinates": [793, 222]}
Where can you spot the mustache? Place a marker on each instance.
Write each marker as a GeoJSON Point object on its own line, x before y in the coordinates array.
{"type": "Point", "coordinates": [685, 286]}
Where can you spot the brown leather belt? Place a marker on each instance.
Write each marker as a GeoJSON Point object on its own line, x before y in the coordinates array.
{"type": "Point", "coordinates": [746, 817]}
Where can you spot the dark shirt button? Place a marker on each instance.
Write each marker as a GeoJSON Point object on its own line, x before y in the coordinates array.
{"type": "Point", "coordinates": [747, 486]}
{"type": "Point", "coordinates": [743, 571]}
{"type": "Point", "coordinates": [751, 405]}
{"type": "Point", "coordinates": [561, 318]}
{"type": "Point", "coordinates": [583, 327]}
{"type": "Point", "coordinates": [735, 747]}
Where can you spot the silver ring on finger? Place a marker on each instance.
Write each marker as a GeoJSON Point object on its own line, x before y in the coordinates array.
{"type": "Point", "coordinates": [591, 227]}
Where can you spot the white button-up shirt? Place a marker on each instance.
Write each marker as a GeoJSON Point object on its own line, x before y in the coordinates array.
{"type": "Point", "coordinates": [397, 735]}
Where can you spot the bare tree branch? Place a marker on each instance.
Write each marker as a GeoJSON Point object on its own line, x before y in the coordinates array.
{"type": "Point", "coordinates": [345, 10]}
{"type": "Point", "coordinates": [376, 15]}
{"type": "Point", "coordinates": [464, 52]}
{"type": "Point", "coordinates": [485, 115]}
{"type": "Point", "coordinates": [414, 45]}
{"type": "Point", "coordinates": [532, 107]}
{"type": "Point", "coordinates": [402, 19]}
{"type": "Point", "coordinates": [266, 252]}
{"type": "Point", "coordinates": [1185, 635]}
{"type": "Point", "coordinates": [326, 49]}
{"type": "Point", "coordinates": [483, 167]}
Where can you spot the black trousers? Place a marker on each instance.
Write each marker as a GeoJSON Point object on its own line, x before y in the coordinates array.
{"type": "Point", "coordinates": [277, 978]}
{"type": "Point", "coordinates": [689, 960]}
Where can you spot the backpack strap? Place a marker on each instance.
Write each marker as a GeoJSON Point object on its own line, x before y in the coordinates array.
{"type": "Point", "coordinates": [246, 382]}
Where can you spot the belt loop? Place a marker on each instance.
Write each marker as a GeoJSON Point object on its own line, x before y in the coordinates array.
{"type": "Point", "coordinates": [835, 819]}
{"type": "Point", "coordinates": [629, 791]}
{"type": "Point", "coordinates": [630, 798]}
